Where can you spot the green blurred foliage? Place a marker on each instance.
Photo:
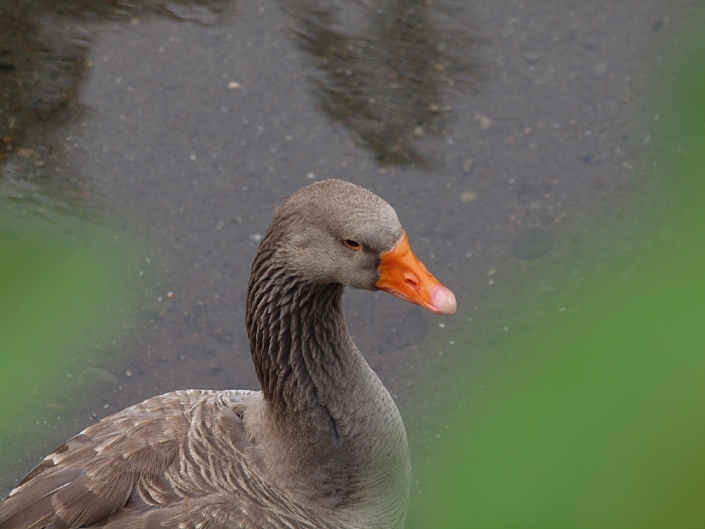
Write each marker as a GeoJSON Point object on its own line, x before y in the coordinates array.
{"type": "Point", "coordinates": [601, 423]}
{"type": "Point", "coordinates": [56, 278]}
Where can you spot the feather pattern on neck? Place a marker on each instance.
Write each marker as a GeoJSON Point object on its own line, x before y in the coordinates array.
{"type": "Point", "coordinates": [298, 338]}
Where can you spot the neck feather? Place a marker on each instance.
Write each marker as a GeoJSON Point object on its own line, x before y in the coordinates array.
{"type": "Point", "coordinates": [298, 337]}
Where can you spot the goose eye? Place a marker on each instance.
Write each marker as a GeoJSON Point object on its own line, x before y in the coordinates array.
{"type": "Point", "coordinates": [353, 245]}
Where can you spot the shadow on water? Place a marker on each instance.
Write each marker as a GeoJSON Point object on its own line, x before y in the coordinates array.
{"type": "Point", "coordinates": [44, 60]}
{"type": "Point", "coordinates": [386, 70]}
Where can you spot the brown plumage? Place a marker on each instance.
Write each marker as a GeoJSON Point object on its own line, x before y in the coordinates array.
{"type": "Point", "coordinates": [322, 445]}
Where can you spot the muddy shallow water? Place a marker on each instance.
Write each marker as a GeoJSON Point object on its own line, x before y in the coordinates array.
{"type": "Point", "coordinates": [499, 131]}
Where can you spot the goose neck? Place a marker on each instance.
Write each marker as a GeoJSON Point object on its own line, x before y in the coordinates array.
{"type": "Point", "coordinates": [300, 344]}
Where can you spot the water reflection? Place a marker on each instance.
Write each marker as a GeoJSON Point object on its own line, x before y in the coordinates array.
{"type": "Point", "coordinates": [386, 70]}
{"type": "Point", "coordinates": [44, 59]}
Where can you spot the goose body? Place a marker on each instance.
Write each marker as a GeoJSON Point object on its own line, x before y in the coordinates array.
{"type": "Point", "coordinates": [321, 445]}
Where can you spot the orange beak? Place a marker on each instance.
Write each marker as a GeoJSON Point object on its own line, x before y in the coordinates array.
{"type": "Point", "coordinates": [403, 275]}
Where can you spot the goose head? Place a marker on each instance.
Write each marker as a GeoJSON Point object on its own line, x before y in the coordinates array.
{"type": "Point", "coordinates": [335, 232]}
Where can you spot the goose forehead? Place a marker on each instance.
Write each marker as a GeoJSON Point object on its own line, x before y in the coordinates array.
{"type": "Point", "coordinates": [379, 226]}
{"type": "Point", "coordinates": [372, 222]}
{"type": "Point", "coordinates": [346, 211]}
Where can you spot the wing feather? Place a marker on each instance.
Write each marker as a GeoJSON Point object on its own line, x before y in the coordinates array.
{"type": "Point", "coordinates": [142, 465]}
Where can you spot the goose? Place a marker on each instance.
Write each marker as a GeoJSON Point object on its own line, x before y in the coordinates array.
{"type": "Point", "coordinates": [321, 445]}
